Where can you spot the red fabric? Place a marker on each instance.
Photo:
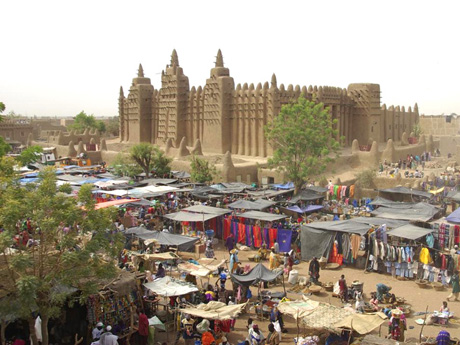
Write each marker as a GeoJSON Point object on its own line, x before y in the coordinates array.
{"type": "Point", "coordinates": [227, 227]}
{"type": "Point", "coordinates": [457, 234]}
{"type": "Point", "coordinates": [224, 325]}
{"type": "Point", "coordinates": [207, 338]}
{"type": "Point", "coordinates": [272, 236]}
{"type": "Point", "coordinates": [143, 324]}
{"type": "Point", "coordinates": [257, 236]}
{"type": "Point", "coordinates": [241, 233]}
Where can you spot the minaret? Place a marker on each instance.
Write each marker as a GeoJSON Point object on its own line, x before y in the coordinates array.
{"type": "Point", "coordinates": [121, 114]}
{"type": "Point", "coordinates": [139, 122]}
{"type": "Point", "coordinates": [217, 107]}
{"type": "Point", "coordinates": [173, 103]}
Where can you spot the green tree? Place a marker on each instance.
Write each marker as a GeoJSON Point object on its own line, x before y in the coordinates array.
{"type": "Point", "coordinates": [201, 170]}
{"type": "Point", "coordinates": [149, 157]}
{"type": "Point", "coordinates": [303, 138]}
{"type": "Point", "coordinates": [83, 121]}
{"type": "Point", "coordinates": [4, 147]}
{"type": "Point", "coordinates": [113, 126]}
{"type": "Point", "coordinates": [65, 188]}
{"type": "Point", "coordinates": [124, 165]}
{"type": "Point", "coordinates": [30, 155]}
{"type": "Point", "coordinates": [42, 277]}
{"type": "Point", "coordinates": [2, 109]}
{"type": "Point", "coordinates": [365, 178]}
{"type": "Point", "coordinates": [417, 129]}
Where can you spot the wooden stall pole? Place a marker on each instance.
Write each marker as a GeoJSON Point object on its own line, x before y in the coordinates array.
{"type": "Point", "coordinates": [424, 322]}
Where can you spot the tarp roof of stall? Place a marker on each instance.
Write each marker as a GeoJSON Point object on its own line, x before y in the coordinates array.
{"type": "Point", "coordinates": [206, 209]}
{"type": "Point", "coordinates": [410, 232]}
{"type": "Point", "coordinates": [257, 205]}
{"type": "Point", "coordinates": [182, 216]}
{"type": "Point", "coordinates": [454, 217]}
{"type": "Point", "coordinates": [168, 286]}
{"type": "Point", "coordinates": [215, 310]}
{"type": "Point", "coordinates": [407, 191]}
{"type": "Point", "coordinates": [306, 195]}
{"type": "Point", "coordinates": [269, 217]}
{"type": "Point", "coordinates": [257, 274]}
{"type": "Point", "coordinates": [379, 201]}
{"type": "Point", "coordinates": [355, 225]}
{"type": "Point", "coordinates": [167, 239]}
{"type": "Point", "coordinates": [421, 211]}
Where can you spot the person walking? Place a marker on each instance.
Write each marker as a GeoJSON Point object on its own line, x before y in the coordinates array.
{"type": "Point", "coordinates": [455, 286]}
{"type": "Point", "coordinates": [343, 289]}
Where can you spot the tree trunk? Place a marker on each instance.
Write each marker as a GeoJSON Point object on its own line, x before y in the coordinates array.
{"type": "Point", "coordinates": [33, 335]}
{"type": "Point", "coordinates": [45, 335]}
{"type": "Point", "coordinates": [2, 332]}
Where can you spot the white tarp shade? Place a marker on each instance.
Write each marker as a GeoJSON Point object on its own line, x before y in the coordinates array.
{"type": "Point", "coordinates": [421, 211]}
{"type": "Point", "coordinates": [215, 310]}
{"type": "Point", "coordinates": [269, 217]}
{"type": "Point", "coordinates": [168, 286]}
{"type": "Point", "coordinates": [189, 217]}
{"type": "Point", "coordinates": [362, 323]}
{"type": "Point", "coordinates": [201, 270]}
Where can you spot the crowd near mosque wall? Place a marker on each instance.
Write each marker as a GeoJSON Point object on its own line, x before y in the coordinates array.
{"type": "Point", "coordinates": [231, 118]}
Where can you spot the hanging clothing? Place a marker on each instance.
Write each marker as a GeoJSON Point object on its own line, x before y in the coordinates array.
{"type": "Point", "coordinates": [425, 257]}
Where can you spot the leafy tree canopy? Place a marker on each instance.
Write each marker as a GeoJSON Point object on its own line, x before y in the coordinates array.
{"type": "Point", "coordinates": [83, 121]}
{"type": "Point", "coordinates": [124, 165]}
{"type": "Point", "coordinates": [150, 158]}
{"type": "Point", "coordinates": [303, 138]}
{"type": "Point", "coordinates": [30, 155]}
{"type": "Point", "coordinates": [201, 170]}
{"type": "Point", "coordinates": [73, 249]}
{"type": "Point", "coordinates": [113, 126]}
{"type": "Point", "coordinates": [4, 147]}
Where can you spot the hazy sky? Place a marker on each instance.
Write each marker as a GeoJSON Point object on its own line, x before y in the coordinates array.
{"type": "Point", "coordinates": [61, 57]}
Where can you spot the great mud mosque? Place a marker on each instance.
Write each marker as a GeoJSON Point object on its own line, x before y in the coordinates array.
{"type": "Point", "coordinates": [228, 118]}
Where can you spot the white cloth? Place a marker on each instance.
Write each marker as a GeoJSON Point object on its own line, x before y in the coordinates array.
{"type": "Point", "coordinates": [38, 328]}
{"type": "Point", "coordinates": [97, 333]}
{"type": "Point", "coordinates": [108, 338]}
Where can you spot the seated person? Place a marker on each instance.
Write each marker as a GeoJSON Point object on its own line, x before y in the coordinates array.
{"type": "Point", "coordinates": [374, 302]}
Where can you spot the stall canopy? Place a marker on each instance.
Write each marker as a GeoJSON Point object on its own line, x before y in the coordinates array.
{"type": "Point", "coordinates": [259, 273]}
{"type": "Point", "coordinates": [215, 310]}
{"type": "Point", "coordinates": [306, 195]}
{"type": "Point", "coordinates": [410, 232]}
{"type": "Point", "coordinates": [421, 211]}
{"type": "Point", "coordinates": [269, 217]}
{"type": "Point", "coordinates": [454, 217]}
{"type": "Point", "coordinates": [309, 208]}
{"type": "Point", "coordinates": [407, 191]}
{"type": "Point", "coordinates": [454, 195]}
{"type": "Point", "coordinates": [181, 174]}
{"type": "Point", "coordinates": [182, 216]}
{"type": "Point", "coordinates": [257, 205]}
{"type": "Point", "coordinates": [184, 243]}
{"type": "Point", "coordinates": [317, 189]}
{"type": "Point", "coordinates": [326, 316]}
{"type": "Point", "coordinates": [137, 230]}
{"type": "Point", "coordinates": [200, 270]}
{"type": "Point", "coordinates": [379, 201]}
{"type": "Point", "coordinates": [207, 210]}
{"type": "Point", "coordinates": [168, 287]}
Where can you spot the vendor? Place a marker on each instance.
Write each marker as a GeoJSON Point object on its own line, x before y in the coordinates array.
{"type": "Point", "coordinates": [255, 336]}
{"type": "Point", "coordinates": [275, 315]}
{"type": "Point", "coordinates": [187, 329]}
{"type": "Point", "coordinates": [234, 260]}
{"type": "Point", "coordinates": [273, 261]}
{"type": "Point", "coordinates": [382, 290]}
{"type": "Point", "coordinates": [97, 331]}
{"type": "Point", "coordinates": [444, 308]}
{"type": "Point", "coordinates": [273, 336]}
{"type": "Point", "coordinates": [343, 289]}
{"type": "Point", "coordinates": [209, 252]}
{"type": "Point", "coordinates": [397, 325]}
{"type": "Point", "coordinates": [374, 302]}
{"type": "Point", "coordinates": [313, 270]}
{"type": "Point", "coordinates": [160, 272]}
{"type": "Point", "coordinates": [443, 338]}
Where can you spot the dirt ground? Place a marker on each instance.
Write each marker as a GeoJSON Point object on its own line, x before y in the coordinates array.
{"type": "Point", "coordinates": [417, 297]}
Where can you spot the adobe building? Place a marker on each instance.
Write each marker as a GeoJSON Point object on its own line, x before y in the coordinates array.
{"type": "Point", "coordinates": [15, 131]}
{"type": "Point", "coordinates": [228, 118]}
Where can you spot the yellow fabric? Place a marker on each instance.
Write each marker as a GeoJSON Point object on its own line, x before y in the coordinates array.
{"type": "Point", "coordinates": [425, 257]}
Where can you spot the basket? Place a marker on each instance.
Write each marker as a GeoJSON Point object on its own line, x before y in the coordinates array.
{"type": "Point", "coordinates": [438, 286]}
{"type": "Point", "coordinates": [422, 284]}
{"type": "Point", "coordinates": [314, 289]}
{"type": "Point", "coordinates": [329, 286]}
{"type": "Point", "coordinates": [332, 266]}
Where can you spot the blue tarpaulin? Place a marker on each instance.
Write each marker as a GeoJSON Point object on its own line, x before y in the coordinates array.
{"type": "Point", "coordinates": [454, 217]}
{"type": "Point", "coordinates": [288, 185]}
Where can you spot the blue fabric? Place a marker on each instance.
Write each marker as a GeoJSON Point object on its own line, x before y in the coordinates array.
{"type": "Point", "coordinates": [454, 217]}
{"type": "Point", "coordinates": [284, 238]}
